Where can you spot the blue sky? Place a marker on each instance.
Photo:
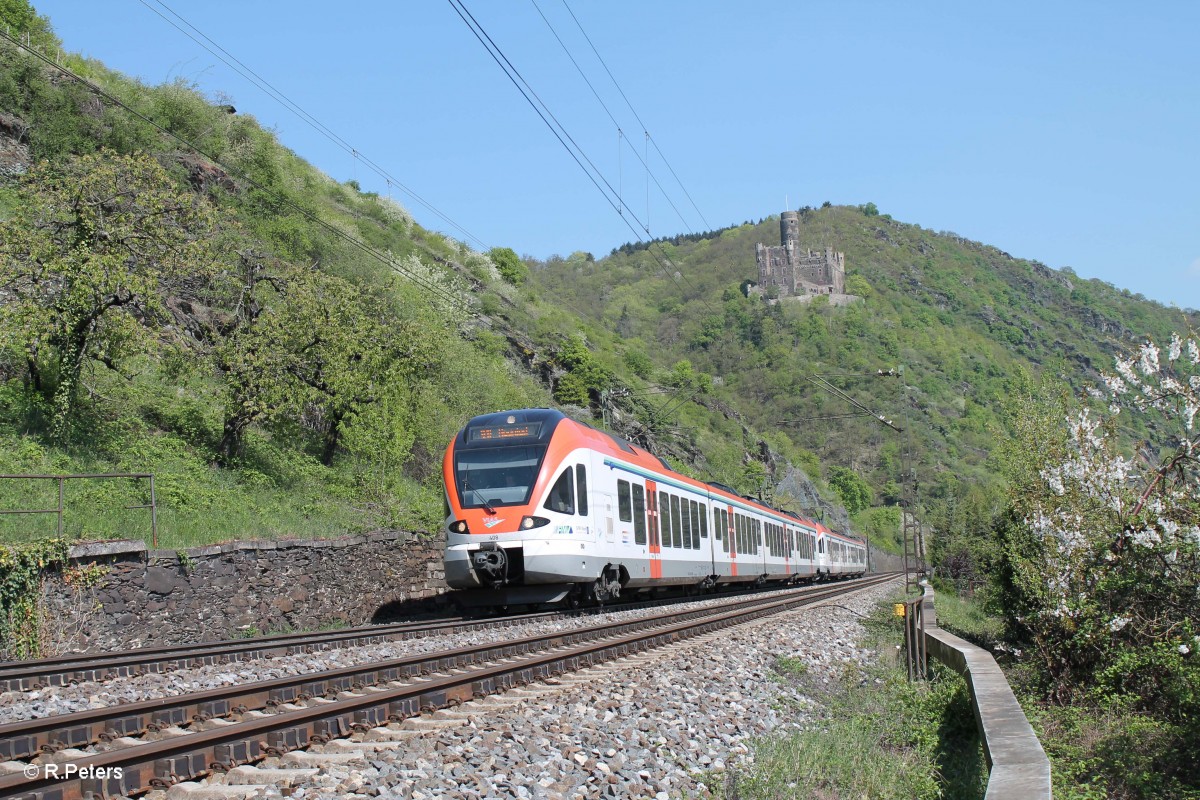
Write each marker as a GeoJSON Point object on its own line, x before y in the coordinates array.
{"type": "Point", "coordinates": [1064, 132]}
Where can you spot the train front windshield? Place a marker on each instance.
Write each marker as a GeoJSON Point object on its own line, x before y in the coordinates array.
{"type": "Point", "coordinates": [497, 476]}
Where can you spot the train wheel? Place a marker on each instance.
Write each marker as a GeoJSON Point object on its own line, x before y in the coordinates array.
{"type": "Point", "coordinates": [574, 599]}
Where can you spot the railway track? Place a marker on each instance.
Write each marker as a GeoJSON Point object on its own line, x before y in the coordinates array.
{"type": "Point", "coordinates": [37, 674]}
{"type": "Point", "coordinates": [60, 671]}
{"type": "Point", "coordinates": [133, 748]}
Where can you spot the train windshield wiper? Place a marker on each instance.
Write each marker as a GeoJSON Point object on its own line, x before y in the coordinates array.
{"type": "Point", "coordinates": [468, 487]}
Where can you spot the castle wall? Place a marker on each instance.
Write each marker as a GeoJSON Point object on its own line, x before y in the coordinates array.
{"type": "Point", "coordinates": [795, 272]}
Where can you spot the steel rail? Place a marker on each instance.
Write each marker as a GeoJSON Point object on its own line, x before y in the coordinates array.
{"type": "Point", "coordinates": [199, 753]}
{"type": "Point", "coordinates": [59, 671]}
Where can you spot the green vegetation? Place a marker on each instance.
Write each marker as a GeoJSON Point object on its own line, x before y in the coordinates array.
{"type": "Point", "coordinates": [21, 570]}
{"type": "Point", "coordinates": [223, 326]}
{"type": "Point", "coordinates": [878, 735]}
{"type": "Point", "coordinates": [511, 268]}
{"type": "Point", "coordinates": [1092, 567]}
{"type": "Point", "coordinates": [854, 492]}
{"type": "Point", "coordinates": [967, 617]}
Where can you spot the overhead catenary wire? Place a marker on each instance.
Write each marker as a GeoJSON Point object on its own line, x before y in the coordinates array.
{"type": "Point", "coordinates": [249, 74]}
{"type": "Point", "coordinates": [645, 164]}
{"type": "Point", "coordinates": [543, 111]}
{"type": "Point", "coordinates": [361, 245]}
{"type": "Point", "coordinates": [635, 114]}
{"type": "Point", "coordinates": [560, 133]}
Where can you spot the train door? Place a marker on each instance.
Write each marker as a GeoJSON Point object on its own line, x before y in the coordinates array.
{"type": "Point", "coordinates": [735, 535]}
{"type": "Point", "coordinates": [655, 545]}
{"type": "Point", "coordinates": [786, 544]}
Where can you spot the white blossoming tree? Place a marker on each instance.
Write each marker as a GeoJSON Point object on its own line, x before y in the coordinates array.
{"type": "Point", "coordinates": [1101, 570]}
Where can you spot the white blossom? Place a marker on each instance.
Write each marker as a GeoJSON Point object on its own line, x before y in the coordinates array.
{"type": "Point", "coordinates": [1184, 649]}
{"type": "Point", "coordinates": [1125, 367]}
{"type": "Point", "coordinates": [1148, 363]}
{"type": "Point", "coordinates": [1193, 352]}
{"type": "Point", "coordinates": [1118, 623]}
{"type": "Point", "coordinates": [1146, 538]}
{"type": "Point", "coordinates": [1175, 348]}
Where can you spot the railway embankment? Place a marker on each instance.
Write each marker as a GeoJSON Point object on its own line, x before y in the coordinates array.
{"type": "Point", "coordinates": [121, 594]}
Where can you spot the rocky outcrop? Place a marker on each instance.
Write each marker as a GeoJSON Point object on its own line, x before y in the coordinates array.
{"type": "Point", "coordinates": [15, 156]}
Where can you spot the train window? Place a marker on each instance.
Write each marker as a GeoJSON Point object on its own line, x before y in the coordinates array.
{"type": "Point", "coordinates": [581, 485]}
{"type": "Point", "coordinates": [685, 512]}
{"type": "Point", "coordinates": [696, 520]}
{"type": "Point", "coordinates": [624, 504]}
{"type": "Point", "coordinates": [562, 495]}
{"type": "Point", "coordinates": [716, 524]}
{"type": "Point", "coordinates": [496, 476]}
{"type": "Point", "coordinates": [703, 521]}
{"type": "Point", "coordinates": [724, 529]}
{"type": "Point", "coordinates": [665, 518]}
{"type": "Point", "coordinates": [737, 532]}
{"type": "Point", "coordinates": [676, 524]}
{"type": "Point", "coordinates": [639, 515]}
{"type": "Point", "coordinates": [821, 546]}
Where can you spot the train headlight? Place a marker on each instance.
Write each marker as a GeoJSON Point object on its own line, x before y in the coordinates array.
{"type": "Point", "coordinates": [459, 526]}
{"type": "Point", "coordinates": [529, 523]}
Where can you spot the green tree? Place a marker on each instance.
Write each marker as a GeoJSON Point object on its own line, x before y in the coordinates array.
{"type": "Point", "coordinates": [869, 210]}
{"type": "Point", "coordinates": [509, 264]}
{"type": "Point", "coordinates": [306, 344]}
{"type": "Point", "coordinates": [857, 285]}
{"type": "Point", "coordinates": [94, 249]}
{"type": "Point", "coordinates": [854, 492]}
{"type": "Point", "coordinates": [585, 377]}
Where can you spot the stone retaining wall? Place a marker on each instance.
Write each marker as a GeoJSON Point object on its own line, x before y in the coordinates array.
{"type": "Point", "coordinates": [135, 597]}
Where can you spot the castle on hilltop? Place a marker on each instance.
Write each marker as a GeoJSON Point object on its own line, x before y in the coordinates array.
{"type": "Point", "coordinates": [796, 272]}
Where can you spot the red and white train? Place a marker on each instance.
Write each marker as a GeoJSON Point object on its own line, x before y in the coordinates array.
{"type": "Point", "coordinates": [541, 508]}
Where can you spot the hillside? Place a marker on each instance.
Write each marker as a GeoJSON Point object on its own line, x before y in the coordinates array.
{"type": "Point", "coordinates": [297, 363]}
{"type": "Point", "coordinates": [964, 320]}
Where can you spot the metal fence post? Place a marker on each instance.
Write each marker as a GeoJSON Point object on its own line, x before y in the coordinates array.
{"type": "Point", "coordinates": [153, 515]}
{"type": "Point", "coordinates": [61, 481]}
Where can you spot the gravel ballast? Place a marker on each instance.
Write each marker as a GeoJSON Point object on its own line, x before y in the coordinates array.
{"type": "Point", "coordinates": [662, 725]}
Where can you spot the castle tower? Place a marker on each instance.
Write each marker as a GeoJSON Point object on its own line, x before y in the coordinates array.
{"type": "Point", "coordinates": [789, 229]}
